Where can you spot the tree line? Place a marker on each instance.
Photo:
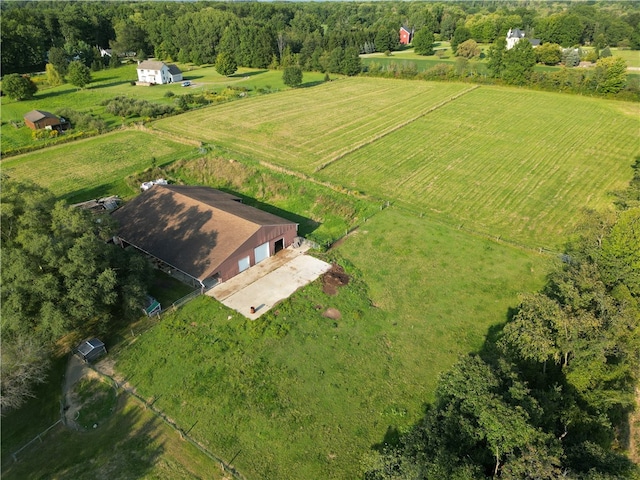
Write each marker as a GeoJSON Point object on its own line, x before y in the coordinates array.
{"type": "Point", "coordinates": [59, 276]}
{"type": "Point", "coordinates": [260, 35]}
{"type": "Point", "coordinates": [549, 394]}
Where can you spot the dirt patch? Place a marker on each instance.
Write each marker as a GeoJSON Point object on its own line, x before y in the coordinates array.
{"type": "Point", "coordinates": [332, 313]}
{"type": "Point", "coordinates": [334, 278]}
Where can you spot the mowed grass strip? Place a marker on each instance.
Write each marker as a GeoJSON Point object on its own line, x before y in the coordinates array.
{"type": "Point", "coordinates": [96, 166]}
{"type": "Point", "coordinates": [297, 395]}
{"type": "Point", "coordinates": [512, 163]}
{"type": "Point", "coordinates": [307, 127]}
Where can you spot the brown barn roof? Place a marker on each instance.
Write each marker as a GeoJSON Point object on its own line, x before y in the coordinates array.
{"type": "Point", "coordinates": [193, 229]}
{"type": "Point", "coordinates": [35, 115]}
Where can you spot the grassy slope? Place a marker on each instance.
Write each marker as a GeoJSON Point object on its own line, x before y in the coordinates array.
{"type": "Point", "coordinates": [508, 162]}
{"type": "Point", "coordinates": [326, 122]}
{"type": "Point", "coordinates": [97, 166]}
{"type": "Point", "coordinates": [311, 402]}
{"type": "Point", "coordinates": [133, 443]}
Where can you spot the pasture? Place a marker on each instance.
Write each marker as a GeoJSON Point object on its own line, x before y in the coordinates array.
{"type": "Point", "coordinates": [95, 167]}
{"type": "Point", "coordinates": [110, 83]}
{"type": "Point", "coordinates": [327, 122]}
{"type": "Point", "coordinates": [297, 395]}
{"type": "Point", "coordinates": [513, 163]}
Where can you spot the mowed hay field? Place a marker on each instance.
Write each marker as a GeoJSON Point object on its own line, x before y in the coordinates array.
{"type": "Point", "coordinates": [513, 163]}
{"type": "Point", "coordinates": [307, 127]}
{"type": "Point", "coordinates": [96, 166]}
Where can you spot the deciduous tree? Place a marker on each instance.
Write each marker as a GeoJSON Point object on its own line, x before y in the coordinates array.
{"type": "Point", "coordinates": [79, 74]}
{"type": "Point", "coordinates": [292, 76]}
{"type": "Point", "coordinates": [423, 42]}
{"type": "Point", "coordinates": [18, 87]}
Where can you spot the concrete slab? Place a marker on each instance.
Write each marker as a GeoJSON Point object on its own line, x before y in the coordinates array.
{"type": "Point", "coordinates": [269, 282]}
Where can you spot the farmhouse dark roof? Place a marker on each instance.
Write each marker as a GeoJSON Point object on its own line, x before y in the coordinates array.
{"type": "Point", "coordinates": [35, 115]}
{"type": "Point", "coordinates": [150, 65]}
{"type": "Point", "coordinates": [193, 229]}
{"type": "Point", "coordinates": [173, 69]}
{"type": "Point", "coordinates": [516, 33]}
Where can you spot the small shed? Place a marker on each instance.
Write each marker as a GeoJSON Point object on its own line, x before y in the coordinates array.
{"type": "Point", "coordinates": [39, 119]}
{"type": "Point", "coordinates": [90, 350]}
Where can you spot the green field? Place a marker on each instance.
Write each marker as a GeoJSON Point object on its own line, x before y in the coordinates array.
{"type": "Point", "coordinates": [303, 129]}
{"type": "Point", "coordinates": [95, 167]}
{"type": "Point", "coordinates": [297, 395]}
{"type": "Point", "coordinates": [108, 84]}
{"type": "Point", "coordinates": [512, 163]}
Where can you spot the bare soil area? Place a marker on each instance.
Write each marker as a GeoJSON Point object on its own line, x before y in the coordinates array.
{"type": "Point", "coordinates": [333, 279]}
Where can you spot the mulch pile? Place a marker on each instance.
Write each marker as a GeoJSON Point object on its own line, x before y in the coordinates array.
{"type": "Point", "coordinates": [333, 279]}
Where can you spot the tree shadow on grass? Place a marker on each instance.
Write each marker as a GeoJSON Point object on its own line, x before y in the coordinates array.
{"type": "Point", "coordinates": [311, 84]}
{"type": "Point", "coordinates": [248, 74]}
{"type": "Point", "coordinates": [127, 445]}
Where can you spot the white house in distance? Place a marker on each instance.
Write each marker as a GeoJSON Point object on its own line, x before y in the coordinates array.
{"type": "Point", "coordinates": [515, 35]}
{"type": "Point", "coordinates": [151, 71]}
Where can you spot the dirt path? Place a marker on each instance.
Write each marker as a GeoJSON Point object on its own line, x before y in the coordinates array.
{"type": "Point", "coordinates": [76, 370]}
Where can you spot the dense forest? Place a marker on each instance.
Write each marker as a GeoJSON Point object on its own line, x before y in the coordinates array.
{"type": "Point", "coordinates": [311, 34]}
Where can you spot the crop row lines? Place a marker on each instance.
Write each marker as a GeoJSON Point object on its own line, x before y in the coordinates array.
{"type": "Point", "coordinates": [393, 129]}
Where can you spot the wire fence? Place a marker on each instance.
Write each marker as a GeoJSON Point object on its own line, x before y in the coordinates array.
{"type": "Point", "coordinates": [184, 434]}
{"type": "Point", "coordinates": [39, 437]}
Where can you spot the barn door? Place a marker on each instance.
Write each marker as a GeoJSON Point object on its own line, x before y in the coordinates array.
{"type": "Point", "coordinates": [261, 252]}
{"type": "Point", "coordinates": [243, 264]}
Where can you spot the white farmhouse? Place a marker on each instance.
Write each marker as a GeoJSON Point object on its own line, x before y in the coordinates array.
{"type": "Point", "coordinates": [515, 35]}
{"type": "Point", "coordinates": [158, 72]}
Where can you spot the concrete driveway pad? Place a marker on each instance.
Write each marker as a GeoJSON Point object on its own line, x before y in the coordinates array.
{"type": "Point", "coordinates": [263, 287]}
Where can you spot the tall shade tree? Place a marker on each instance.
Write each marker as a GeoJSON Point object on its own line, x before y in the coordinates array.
{"type": "Point", "coordinates": [497, 52]}
{"type": "Point", "coordinates": [518, 63]}
{"type": "Point", "coordinates": [79, 74]}
{"type": "Point", "coordinates": [423, 42]}
{"type": "Point", "coordinates": [610, 75]}
{"type": "Point", "coordinates": [18, 87]}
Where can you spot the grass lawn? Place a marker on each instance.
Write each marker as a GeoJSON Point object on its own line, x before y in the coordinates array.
{"type": "Point", "coordinates": [132, 443]}
{"type": "Point", "coordinates": [96, 166]}
{"type": "Point", "coordinates": [298, 395]}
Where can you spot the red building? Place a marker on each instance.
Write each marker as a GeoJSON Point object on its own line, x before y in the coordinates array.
{"type": "Point", "coordinates": [37, 119]}
{"type": "Point", "coordinates": [201, 235]}
{"type": "Point", "coordinates": [406, 36]}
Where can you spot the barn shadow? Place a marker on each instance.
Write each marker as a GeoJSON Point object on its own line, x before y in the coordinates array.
{"type": "Point", "coordinates": [306, 225]}
{"type": "Point", "coordinates": [248, 74]}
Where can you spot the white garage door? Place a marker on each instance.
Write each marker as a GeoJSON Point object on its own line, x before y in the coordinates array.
{"type": "Point", "coordinates": [261, 252]}
{"type": "Point", "coordinates": [243, 264]}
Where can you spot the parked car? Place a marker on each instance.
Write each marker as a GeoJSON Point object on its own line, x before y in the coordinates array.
{"type": "Point", "coordinates": [186, 83]}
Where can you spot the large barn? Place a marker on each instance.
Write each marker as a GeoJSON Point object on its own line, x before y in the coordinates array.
{"type": "Point", "coordinates": [202, 235]}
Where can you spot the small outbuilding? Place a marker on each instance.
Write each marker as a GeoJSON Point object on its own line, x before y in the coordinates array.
{"type": "Point", "coordinates": [39, 119]}
{"type": "Point", "coordinates": [91, 350]}
{"type": "Point", "coordinates": [406, 36]}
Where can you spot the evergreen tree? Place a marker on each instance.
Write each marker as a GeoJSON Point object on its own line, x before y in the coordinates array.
{"type": "Point", "coordinates": [225, 64]}
{"type": "Point", "coordinates": [423, 42]}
